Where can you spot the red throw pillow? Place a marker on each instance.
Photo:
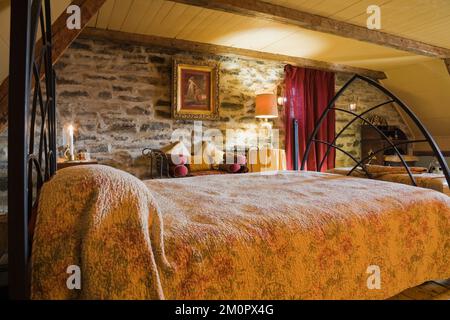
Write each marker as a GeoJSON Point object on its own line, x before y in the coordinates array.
{"type": "Point", "coordinates": [233, 168]}
{"type": "Point", "coordinates": [179, 171]}
{"type": "Point", "coordinates": [230, 168]}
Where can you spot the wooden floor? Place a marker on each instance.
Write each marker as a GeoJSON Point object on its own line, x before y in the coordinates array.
{"type": "Point", "coordinates": [432, 290]}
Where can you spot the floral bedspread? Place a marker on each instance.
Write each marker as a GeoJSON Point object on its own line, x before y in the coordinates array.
{"type": "Point", "coordinates": [290, 235]}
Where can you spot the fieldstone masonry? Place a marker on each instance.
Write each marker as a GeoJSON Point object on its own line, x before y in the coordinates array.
{"type": "Point", "coordinates": [118, 96]}
{"type": "Point", "coordinates": [366, 97]}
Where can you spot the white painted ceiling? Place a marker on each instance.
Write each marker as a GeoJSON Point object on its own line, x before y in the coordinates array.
{"type": "Point", "coordinates": [421, 81]}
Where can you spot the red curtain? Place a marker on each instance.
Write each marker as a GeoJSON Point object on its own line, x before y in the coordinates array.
{"type": "Point", "coordinates": [308, 93]}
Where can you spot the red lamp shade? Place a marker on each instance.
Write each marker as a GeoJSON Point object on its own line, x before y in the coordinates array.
{"type": "Point", "coordinates": [266, 106]}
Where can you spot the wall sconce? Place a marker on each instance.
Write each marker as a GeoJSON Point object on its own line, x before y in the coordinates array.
{"type": "Point", "coordinates": [353, 106]}
{"type": "Point", "coordinates": [281, 101]}
{"type": "Point", "coordinates": [281, 95]}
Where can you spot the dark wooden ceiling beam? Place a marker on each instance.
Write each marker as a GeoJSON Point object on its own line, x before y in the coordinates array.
{"type": "Point", "coordinates": [447, 64]}
{"type": "Point", "coordinates": [206, 48]}
{"type": "Point", "coordinates": [62, 37]}
{"type": "Point", "coordinates": [276, 13]}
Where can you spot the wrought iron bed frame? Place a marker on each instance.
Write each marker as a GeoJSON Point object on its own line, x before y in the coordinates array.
{"type": "Point", "coordinates": [313, 139]}
{"type": "Point", "coordinates": [27, 156]}
{"type": "Point", "coordinates": [28, 103]}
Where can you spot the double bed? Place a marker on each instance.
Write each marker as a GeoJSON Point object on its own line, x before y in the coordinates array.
{"type": "Point", "coordinates": [423, 179]}
{"type": "Point", "coordinates": [284, 235]}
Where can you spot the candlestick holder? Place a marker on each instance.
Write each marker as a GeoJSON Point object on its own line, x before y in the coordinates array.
{"type": "Point", "coordinates": [68, 155]}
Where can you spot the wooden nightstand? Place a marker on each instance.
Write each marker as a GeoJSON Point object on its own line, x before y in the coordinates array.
{"type": "Point", "coordinates": [275, 159]}
{"type": "Point", "coordinates": [66, 164]}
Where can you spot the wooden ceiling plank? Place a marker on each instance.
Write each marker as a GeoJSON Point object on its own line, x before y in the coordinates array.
{"type": "Point", "coordinates": [195, 32]}
{"type": "Point", "coordinates": [157, 26]}
{"type": "Point", "coordinates": [176, 20]}
{"type": "Point", "coordinates": [191, 46]}
{"type": "Point", "coordinates": [256, 8]}
{"type": "Point", "coordinates": [5, 26]}
{"type": "Point", "coordinates": [212, 26]}
{"type": "Point", "coordinates": [192, 13]}
{"type": "Point", "coordinates": [135, 16]}
{"type": "Point", "coordinates": [119, 14]}
{"type": "Point", "coordinates": [194, 24]}
{"type": "Point", "coordinates": [234, 24]}
{"type": "Point", "coordinates": [228, 37]}
{"type": "Point", "coordinates": [4, 63]}
{"type": "Point", "coordinates": [242, 39]}
{"type": "Point", "coordinates": [104, 14]}
{"type": "Point", "coordinates": [344, 8]}
{"type": "Point", "coordinates": [152, 12]}
{"type": "Point", "coordinates": [228, 24]}
{"type": "Point", "coordinates": [357, 11]}
{"type": "Point", "coordinates": [62, 38]}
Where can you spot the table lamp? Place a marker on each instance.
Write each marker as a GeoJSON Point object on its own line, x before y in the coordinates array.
{"type": "Point", "coordinates": [266, 108]}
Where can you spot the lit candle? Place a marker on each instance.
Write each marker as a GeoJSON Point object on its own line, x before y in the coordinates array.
{"type": "Point", "coordinates": [70, 129]}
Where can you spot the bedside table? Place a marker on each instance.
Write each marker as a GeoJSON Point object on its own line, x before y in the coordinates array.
{"type": "Point", "coordinates": [66, 164]}
{"type": "Point", "coordinates": [277, 160]}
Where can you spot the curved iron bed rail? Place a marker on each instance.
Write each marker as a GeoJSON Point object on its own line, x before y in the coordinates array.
{"type": "Point", "coordinates": [392, 99]}
{"type": "Point", "coordinates": [31, 130]}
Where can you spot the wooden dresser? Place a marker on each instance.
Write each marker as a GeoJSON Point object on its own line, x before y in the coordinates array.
{"type": "Point", "coordinates": [372, 141]}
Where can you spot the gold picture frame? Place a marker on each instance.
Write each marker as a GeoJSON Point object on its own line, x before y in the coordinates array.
{"type": "Point", "coordinates": [195, 90]}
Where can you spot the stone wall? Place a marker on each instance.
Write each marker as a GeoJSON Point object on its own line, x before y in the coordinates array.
{"type": "Point", "coordinates": [366, 97]}
{"type": "Point", "coordinates": [118, 97]}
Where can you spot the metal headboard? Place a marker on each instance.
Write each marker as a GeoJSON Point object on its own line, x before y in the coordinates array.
{"type": "Point", "coordinates": [391, 145]}
{"type": "Point", "coordinates": [31, 129]}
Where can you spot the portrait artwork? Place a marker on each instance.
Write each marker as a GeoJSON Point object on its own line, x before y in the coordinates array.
{"type": "Point", "coordinates": [195, 92]}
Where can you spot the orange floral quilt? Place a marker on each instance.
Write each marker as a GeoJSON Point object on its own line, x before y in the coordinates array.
{"type": "Point", "coordinates": [289, 235]}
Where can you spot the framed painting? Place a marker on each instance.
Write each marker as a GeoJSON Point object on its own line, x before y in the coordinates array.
{"type": "Point", "coordinates": [195, 92]}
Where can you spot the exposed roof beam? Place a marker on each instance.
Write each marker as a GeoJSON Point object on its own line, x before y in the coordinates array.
{"type": "Point", "coordinates": [447, 63]}
{"type": "Point", "coordinates": [62, 37]}
{"type": "Point", "coordinates": [276, 13]}
{"type": "Point", "coordinates": [191, 46]}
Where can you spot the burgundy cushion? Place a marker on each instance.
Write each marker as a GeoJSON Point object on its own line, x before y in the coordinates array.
{"type": "Point", "coordinates": [232, 168]}
{"type": "Point", "coordinates": [179, 171]}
